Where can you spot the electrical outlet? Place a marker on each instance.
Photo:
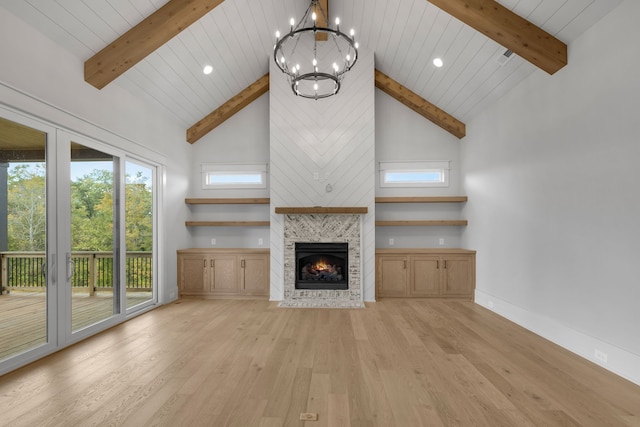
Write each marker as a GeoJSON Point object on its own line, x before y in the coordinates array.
{"type": "Point", "coordinates": [490, 304]}
{"type": "Point", "coordinates": [213, 242]}
{"type": "Point", "coordinates": [391, 242]}
{"type": "Point", "coordinates": [316, 176]}
{"type": "Point", "coordinates": [260, 242]}
{"type": "Point", "coordinates": [441, 241]}
{"type": "Point", "coordinates": [601, 356]}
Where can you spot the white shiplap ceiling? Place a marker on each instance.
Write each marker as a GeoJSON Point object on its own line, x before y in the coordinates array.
{"type": "Point", "coordinates": [237, 38]}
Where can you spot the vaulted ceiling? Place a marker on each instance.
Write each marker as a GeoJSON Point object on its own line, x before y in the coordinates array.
{"type": "Point", "coordinates": [236, 37]}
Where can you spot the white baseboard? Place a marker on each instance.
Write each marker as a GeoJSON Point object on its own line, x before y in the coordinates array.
{"type": "Point", "coordinates": [612, 358]}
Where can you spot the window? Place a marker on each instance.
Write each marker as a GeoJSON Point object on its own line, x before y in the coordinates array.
{"type": "Point", "coordinates": [414, 174]}
{"type": "Point", "coordinates": [234, 175]}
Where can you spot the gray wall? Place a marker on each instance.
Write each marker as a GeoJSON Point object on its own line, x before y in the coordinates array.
{"type": "Point", "coordinates": [551, 171]}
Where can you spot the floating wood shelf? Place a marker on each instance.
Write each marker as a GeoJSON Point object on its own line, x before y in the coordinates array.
{"type": "Point", "coordinates": [236, 201]}
{"type": "Point", "coordinates": [421, 223]}
{"type": "Point", "coordinates": [227, 223]}
{"type": "Point", "coordinates": [430, 199]}
{"type": "Point", "coordinates": [321, 210]}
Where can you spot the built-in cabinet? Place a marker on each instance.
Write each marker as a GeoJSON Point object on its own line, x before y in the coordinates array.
{"type": "Point", "coordinates": [425, 273]}
{"type": "Point", "coordinates": [223, 272]}
{"type": "Point", "coordinates": [417, 273]}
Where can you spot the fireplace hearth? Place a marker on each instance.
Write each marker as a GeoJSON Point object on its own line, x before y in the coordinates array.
{"type": "Point", "coordinates": [322, 265]}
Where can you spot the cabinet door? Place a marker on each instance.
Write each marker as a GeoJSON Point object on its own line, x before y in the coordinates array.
{"type": "Point", "coordinates": [391, 273]}
{"type": "Point", "coordinates": [425, 276]}
{"type": "Point", "coordinates": [458, 277]}
{"type": "Point", "coordinates": [193, 274]}
{"type": "Point", "coordinates": [254, 274]}
{"type": "Point", "coordinates": [224, 274]}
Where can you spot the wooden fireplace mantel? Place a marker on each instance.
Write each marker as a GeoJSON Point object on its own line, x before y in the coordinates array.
{"type": "Point", "coordinates": [321, 210]}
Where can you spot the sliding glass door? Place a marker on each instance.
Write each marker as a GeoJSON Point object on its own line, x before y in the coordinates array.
{"type": "Point", "coordinates": [28, 282]}
{"type": "Point", "coordinates": [92, 261]}
{"type": "Point", "coordinates": [77, 237]}
{"type": "Point", "coordinates": [139, 233]}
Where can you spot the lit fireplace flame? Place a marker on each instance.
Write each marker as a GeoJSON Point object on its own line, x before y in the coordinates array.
{"type": "Point", "coordinates": [321, 265]}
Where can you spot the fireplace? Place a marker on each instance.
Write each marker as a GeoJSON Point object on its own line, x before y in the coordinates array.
{"type": "Point", "coordinates": [324, 229]}
{"type": "Point", "coordinates": [323, 265]}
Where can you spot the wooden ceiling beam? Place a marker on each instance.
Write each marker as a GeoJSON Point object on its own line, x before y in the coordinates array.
{"type": "Point", "coordinates": [321, 21]}
{"type": "Point", "coordinates": [382, 82]}
{"type": "Point", "coordinates": [143, 39]}
{"type": "Point", "coordinates": [419, 105]}
{"type": "Point", "coordinates": [510, 30]}
{"type": "Point", "coordinates": [228, 109]}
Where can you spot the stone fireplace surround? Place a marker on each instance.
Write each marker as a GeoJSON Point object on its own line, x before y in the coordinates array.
{"type": "Point", "coordinates": [321, 227]}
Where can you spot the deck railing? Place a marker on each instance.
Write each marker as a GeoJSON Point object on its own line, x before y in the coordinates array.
{"type": "Point", "coordinates": [93, 271]}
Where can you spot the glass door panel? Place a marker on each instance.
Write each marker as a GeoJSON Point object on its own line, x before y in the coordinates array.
{"type": "Point", "coordinates": [139, 226]}
{"type": "Point", "coordinates": [92, 263]}
{"type": "Point", "coordinates": [24, 292]}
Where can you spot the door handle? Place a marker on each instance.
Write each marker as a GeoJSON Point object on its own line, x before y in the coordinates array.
{"type": "Point", "coordinates": [45, 270]}
{"type": "Point", "coordinates": [242, 263]}
{"type": "Point", "coordinates": [71, 266]}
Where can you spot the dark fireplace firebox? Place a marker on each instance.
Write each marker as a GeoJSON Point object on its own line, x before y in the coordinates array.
{"type": "Point", "coordinates": [322, 265]}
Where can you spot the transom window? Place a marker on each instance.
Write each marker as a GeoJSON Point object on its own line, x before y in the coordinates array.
{"type": "Point", "coordinates": [234, 175]}
{"type": "Point", "coordinates": [414, 174]}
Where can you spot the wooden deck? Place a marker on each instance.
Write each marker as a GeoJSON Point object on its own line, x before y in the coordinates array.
{"type": "Point", "coordinates": [23, 317]}
{"type": "Point", "coordinates": [397, 363]}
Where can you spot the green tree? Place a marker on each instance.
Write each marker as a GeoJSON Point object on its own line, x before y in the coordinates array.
{"type": "Point", "coordinates": [26, 210]}
{"type": "Point", "coordinates": [139, 214]}
{"type": "Point", "coordinates": [92, 212]}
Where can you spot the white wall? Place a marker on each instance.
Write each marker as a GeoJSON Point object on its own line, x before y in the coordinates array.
{"type": "Point", "coordinates": [242, 138]}
{"type": "Point", "coordinates": [40, 78]}
{"type": "Point", "coordinates": [404, 135]}
{"type": "Point", "coordinates": [551, 171]}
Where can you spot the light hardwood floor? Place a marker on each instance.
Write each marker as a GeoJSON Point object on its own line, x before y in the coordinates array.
{"type": "Point", "coordinates": [248, 363]}
{"type": "Point", "coordinates": [23, 315]}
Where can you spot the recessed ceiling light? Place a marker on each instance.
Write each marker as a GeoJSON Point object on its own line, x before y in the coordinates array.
{"type": "Point", "coordinates": [438, 62]}
{"type": "Point", "coordinates": [208, 69]}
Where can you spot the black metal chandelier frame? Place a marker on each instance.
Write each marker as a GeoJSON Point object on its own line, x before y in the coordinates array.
{"type": "Point", "coordinates": [316, 75]}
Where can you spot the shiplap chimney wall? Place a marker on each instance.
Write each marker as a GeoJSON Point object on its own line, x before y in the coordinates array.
{"type": "Point", "coordinates": [333, 138]}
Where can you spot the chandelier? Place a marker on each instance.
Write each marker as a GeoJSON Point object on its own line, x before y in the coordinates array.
{"type": "Point", "coordinates": [315, 68]}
